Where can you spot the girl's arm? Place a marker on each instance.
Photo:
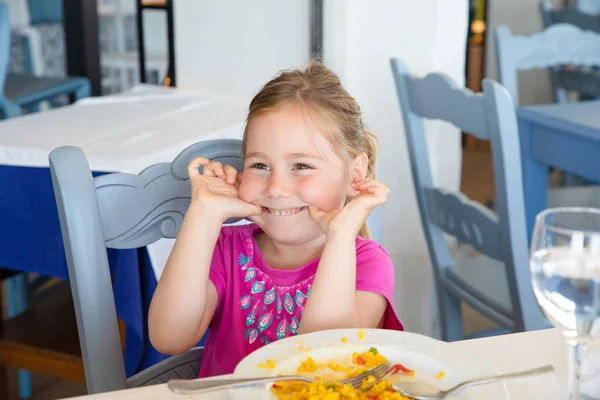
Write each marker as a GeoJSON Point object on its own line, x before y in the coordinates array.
{"type": "Point", "coordinates": [334, 302]}
{"type": "Point", "coordinates": [185, 299]}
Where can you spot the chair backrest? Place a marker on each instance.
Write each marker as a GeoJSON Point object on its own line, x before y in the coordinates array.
{"type": "Point", "coordinates": [589, 6]}
{"type": "Point", "coordinates": [4, 46]}
{"type": "Point", "coordinates": [182, 366]}
{"type": "Point", "coordinates": [122, 211]}
{"type": "Point", "coordinates": [583, 81]}
{"type": "Point", "coordinates": [489, 116]}
{"type": "Point", "coordinates": [46, 11]}
{"type": "Point", "coordinates": [559, 44]}
{"type": "Point", "coordinates": [568, 15]}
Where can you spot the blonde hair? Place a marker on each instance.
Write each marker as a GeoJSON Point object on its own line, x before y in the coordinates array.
{"type": "Point", "coordinates": [317, 88]}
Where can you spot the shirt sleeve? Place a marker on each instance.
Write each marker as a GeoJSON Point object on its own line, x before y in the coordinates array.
{"type": "Point", "coordinates": [375, 274]}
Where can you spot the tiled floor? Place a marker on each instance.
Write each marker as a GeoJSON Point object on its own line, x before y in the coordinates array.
{"type": "Point", "coordinates": [477, 184]}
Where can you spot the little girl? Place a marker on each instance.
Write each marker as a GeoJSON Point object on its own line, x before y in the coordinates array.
{"type": "Point", "coordinates": [306, 263]}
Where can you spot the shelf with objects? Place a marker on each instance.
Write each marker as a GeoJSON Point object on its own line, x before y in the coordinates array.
{"type": "Point", "coordinates": [119, 48]}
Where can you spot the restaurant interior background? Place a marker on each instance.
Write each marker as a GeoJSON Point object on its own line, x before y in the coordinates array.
{"type": "Point", "coordinates": [231, 46]}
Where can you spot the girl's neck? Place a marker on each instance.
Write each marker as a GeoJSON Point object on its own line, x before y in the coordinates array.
{"type": "Point", "coordinates": [285, 257]}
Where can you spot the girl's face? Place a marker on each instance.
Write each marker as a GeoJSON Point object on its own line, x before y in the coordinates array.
{"type": "Point", "coordinates": [289, 165]}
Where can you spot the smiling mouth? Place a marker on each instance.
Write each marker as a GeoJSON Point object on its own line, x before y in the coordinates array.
{"type": "Point", "coordinates": [284, 212]}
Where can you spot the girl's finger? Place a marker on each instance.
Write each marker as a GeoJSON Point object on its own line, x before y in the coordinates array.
{"type": "Point", "coordinates": [214, 168]}
{"type": "Point", "coordinates": [195, 164]}
{"type": "Point", "coordinates": [378, 193]}
{"type": "Point", "coordinates": [253, 210]}
{"type": "Point", "coordinates": [315, 212]}
{"type": "Point", "coordinates": [230, 174]}
{"type": "Point", "coordinates": [364, 183]}
{"type": "Point", "coordinates": [370, 187]}
{"type": "Point", "coordinates": [238, 179]}
{"type": "Point", "coordinates": [373, 195]}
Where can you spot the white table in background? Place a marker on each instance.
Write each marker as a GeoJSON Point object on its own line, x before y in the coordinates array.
{"type": "Point", "coordinates": [126, 133]}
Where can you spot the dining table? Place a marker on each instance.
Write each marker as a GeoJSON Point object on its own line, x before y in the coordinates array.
{"type": "Point", "coordinates": [503, 353]}
{"type": "Point", "coordinates": [564, 136]}
{"type": "Point", "coordinates": [126, 132]}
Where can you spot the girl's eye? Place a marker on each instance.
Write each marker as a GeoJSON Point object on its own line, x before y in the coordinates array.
{"type": "Point", "coordinates": [260, 166]}
{"type": "Point", "coordinates": [302, 166]}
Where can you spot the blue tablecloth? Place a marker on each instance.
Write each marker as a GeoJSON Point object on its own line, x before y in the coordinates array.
{"type": "Point", "coordinates": [31, 241]}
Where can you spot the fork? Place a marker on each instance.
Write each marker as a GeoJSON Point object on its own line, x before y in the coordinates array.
{"type": "Point", "coordinates": [184, 386]}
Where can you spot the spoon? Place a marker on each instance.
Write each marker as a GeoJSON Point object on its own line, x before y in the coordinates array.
{"type": "Point", "coordinates": [423, 391]}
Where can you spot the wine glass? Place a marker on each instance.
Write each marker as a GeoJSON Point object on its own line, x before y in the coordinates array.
{"type": "Point", "coordinates": [565, 267]}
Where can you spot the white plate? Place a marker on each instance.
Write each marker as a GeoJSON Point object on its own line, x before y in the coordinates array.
{"type": "Point", "coordinates": [426, 356]}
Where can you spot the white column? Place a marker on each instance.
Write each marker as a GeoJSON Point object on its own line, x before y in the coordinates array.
{"type": "Point", "coordinates": [237, 46]}
{"type": "Point", "coordinates": [429, 35]}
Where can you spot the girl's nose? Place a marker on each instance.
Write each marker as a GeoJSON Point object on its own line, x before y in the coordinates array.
{"type": "Point", "coordinates": [279, 187]}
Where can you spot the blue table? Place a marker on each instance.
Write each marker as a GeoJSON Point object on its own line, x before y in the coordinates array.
{"type": "Point", "coordinates": [31, 241]}
{"type": "Point", "coordinates": [565, 136]}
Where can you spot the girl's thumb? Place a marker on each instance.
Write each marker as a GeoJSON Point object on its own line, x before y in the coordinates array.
{"type": "Point", "coordinates": [255, 209]}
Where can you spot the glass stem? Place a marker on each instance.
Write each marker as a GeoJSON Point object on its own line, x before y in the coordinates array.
{"type": "Point", "coordinates": [576, 351]}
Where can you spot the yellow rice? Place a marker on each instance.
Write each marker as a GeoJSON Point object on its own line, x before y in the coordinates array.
{"type": "Point", "coordinates": [322, 390]}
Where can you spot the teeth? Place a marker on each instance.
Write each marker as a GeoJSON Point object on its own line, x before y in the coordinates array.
{"type": "Point", "coordinates": [287, 211]}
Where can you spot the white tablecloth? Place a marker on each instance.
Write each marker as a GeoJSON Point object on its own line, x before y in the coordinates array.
{"type": "Point", "coordinates": [506, 353]}
{"type": "Point", "coordinates": [126, 133]}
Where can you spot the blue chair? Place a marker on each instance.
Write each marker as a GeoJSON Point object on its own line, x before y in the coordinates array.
{"type": "Point", "coordinates": [7, 107]}
{"type": "Point", "coordinates": [122, 211]}
{"type": "Point", "coordinates": [496, 280]}
{"type": "Point", "coordinates": [558, 45]}
{"type": "Point", "coordinates": [39, 48]}
{"type": "Point", "coordinates": [26, 91]}
{"type": "Point", "coordinates": [585, 81]}
{"type": "Point", "coordinates": [588, 6]}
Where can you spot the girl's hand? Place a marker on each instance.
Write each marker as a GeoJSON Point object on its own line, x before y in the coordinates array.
{"type": "Point", "coordinates": [353, 215]}
{"type": "Point", "coordinates": [216, 189]}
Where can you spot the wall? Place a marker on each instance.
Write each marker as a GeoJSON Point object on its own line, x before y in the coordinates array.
{"type": "Point", "coordinates": [236, 46]}
{"type": "Point", "coordinates": [428, 35]}
{"type": "Point", "coordinates": [523, 18]}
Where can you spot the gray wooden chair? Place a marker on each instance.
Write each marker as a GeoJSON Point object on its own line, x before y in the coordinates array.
{"type": "Point", "coordinates": [558, 45]}
{"type": "Point", "coordinates": [122, 211]}
{"type": "Point", "coordinates": [585, 81]}
{"type": "Point", "coordinates": [496, 279]}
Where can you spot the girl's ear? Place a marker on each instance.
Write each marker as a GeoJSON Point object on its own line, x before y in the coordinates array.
{"type": "Point", "coordinates": [358, 170]}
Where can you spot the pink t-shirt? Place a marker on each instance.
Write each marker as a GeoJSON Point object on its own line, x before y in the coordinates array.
{"type": "Point", "coordinates": [258, 304]}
